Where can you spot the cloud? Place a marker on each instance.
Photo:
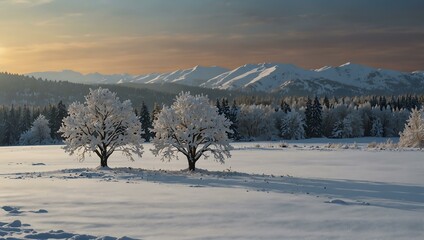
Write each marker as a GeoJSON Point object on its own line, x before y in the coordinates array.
{"type": "Point", "coordinates": [28, 2]}
{"type": "Point", "coordinates": [137, 37]}
{"type": "Point", "coordinates": [57, 21]}
{"type": "Point", "coordinates": [166, 52]}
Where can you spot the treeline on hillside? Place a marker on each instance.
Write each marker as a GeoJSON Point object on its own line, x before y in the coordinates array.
{"type": "Point", "coordinates": [22, 90]}
{"type": "Point", "coordinates": [19, 90]}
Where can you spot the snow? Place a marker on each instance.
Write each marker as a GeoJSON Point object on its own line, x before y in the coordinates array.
{"type": "Point", "coordinates": [304, 190]}
{"type": "Point", "coordinates": [260, 77]}
{"type": "Point", "coordinates": [194, 76]}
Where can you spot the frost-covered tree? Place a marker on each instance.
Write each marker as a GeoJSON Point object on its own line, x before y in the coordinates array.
{"type": "Point", "coordinates": [356, 123]}
{"type": "Point", "coordinates": [256, 121]}
{"type": "Point", "coordinates": [292, 126]}
{"type": "Point", "coordinates": [192, 127]}
{"type": "Point", "coordinates": [103, 125]}
{"type": "Point", "coordinates": [387, 119]}
{"type": "Point", "coordinates": [38, 134]}
{"type": "Point", "coordinates": [413, 135]}
{"type": "Point", "coordinates": [329, 120]}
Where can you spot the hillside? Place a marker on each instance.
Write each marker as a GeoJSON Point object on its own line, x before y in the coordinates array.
{"type": "Point", "coordinates": [23, 90]}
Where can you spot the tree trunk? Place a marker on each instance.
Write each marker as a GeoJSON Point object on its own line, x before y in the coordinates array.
{"type": "Point", "coordinates": [191, 165]}
{"type": "Point", "coordinates": [103, 159]}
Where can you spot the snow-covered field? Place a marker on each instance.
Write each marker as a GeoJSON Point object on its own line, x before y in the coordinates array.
{"type": "Point", "coordinates": [308, 190]}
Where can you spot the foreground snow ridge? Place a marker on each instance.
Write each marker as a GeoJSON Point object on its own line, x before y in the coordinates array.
{"type": "Point", "coordinates": [19, 230]}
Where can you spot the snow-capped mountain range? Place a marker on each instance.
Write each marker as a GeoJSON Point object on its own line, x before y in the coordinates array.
{"type": "Point", "coordinates": [346, 79]}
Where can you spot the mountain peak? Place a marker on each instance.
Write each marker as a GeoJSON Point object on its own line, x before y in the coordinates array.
{"type": "Point", "coordinates": [323, 68]}
{"type": "Point", "coordinates": [346, 64]}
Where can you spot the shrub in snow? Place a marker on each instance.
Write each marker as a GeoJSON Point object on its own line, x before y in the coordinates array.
{"type": "Point", "coordinates": [413, 135]}
{"type": "Point", "coordinates": [192, 127]}
{"type": "Point", "coordinates": [39, 133]}
{"type": "Point", "coordinates": [292, 126]}
{"type": "Point", "coordinates": [102, 125]}
{"type": "Point", "coordinates": [372, 145]}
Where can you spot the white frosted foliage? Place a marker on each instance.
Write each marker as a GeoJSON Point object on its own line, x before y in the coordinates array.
{"type": "Point", "coordinates": [413, 135]}
{"type": "Point", "coordinates": [192, 127]}
{"type": "Point", "coordinates": [39, 133]}
{"type": "Point", "coordinates": [102, 125]}
{"type": "Point", "coordinates": [292, 126]}
{"type": "Point", "coordinates": [256, 121]}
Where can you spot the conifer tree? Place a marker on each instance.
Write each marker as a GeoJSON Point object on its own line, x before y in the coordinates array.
{"type": "Point", "coordinates": [62, 112]}
{"type": "Point", "coordinates": [326, 102]}
{"type": "Point", "coordinates": [52, 121]}
{"type": "Point", "coordinates": [313, 118]}
{"type": "Point", "coordinates": [225, 108]}
{"type": "Point", "coordinates": [285, 107]}
{"type": "Point", "coordinates": [377, 128]}
{"type": "Point", "coordinates": [25, 122]}
{"type": "Point", "coordinates": [218, 106]}
{"type": "Point", "coordinates": [234, 122]}
{"type": "Point", "coordinates": [146, 123]}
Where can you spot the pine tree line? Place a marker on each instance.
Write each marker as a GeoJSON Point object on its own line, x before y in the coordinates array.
{"type": "Point", "coordinates": [298, 118]}
{"type": "Point", "coordinates": [293, 118]}
{"type": "Point", "coordinates": [395, 102]}
{"type": "Point", "coordinates": [16, 120]}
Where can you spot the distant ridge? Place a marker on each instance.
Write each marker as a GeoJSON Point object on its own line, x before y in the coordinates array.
{"type": "Point", "coordinates": [287, 79]}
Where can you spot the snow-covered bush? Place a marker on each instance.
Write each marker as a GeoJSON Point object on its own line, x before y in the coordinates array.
{"type": "Point", "coordinates": [38, 134]}
{"type": "Point", "coordinates": [192, 127]}
{"type": "Point", "coordinates": [389, 144]}
{"type": "Point", "coordinates": [102, 125]}
{"type": "Point", "coordinates": [292, 126]}
{"type": "Point", "coordinates": [413, 135]}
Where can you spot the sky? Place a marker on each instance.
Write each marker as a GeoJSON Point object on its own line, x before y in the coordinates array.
{"type": "Point", "coordinates": [145, 36]}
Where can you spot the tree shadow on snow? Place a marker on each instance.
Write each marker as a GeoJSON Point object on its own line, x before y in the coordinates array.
{"type": "Point", "coordinates": [382, 194]}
